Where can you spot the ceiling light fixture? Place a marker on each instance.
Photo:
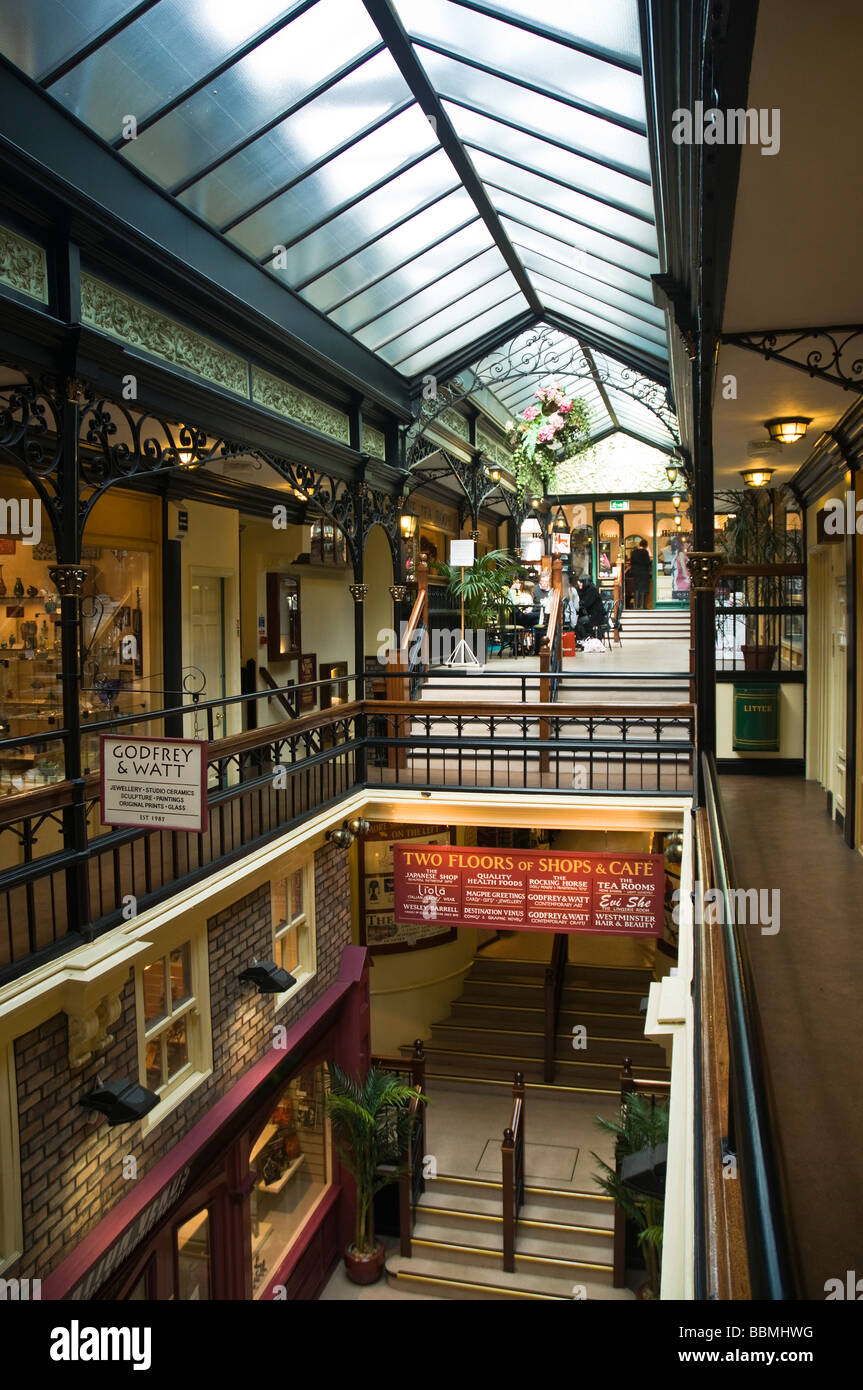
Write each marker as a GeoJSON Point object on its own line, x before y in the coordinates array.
{"type": "Point", "coordinates": [757, 477]}
{"type": "Point", "coordinates": [788, 429]}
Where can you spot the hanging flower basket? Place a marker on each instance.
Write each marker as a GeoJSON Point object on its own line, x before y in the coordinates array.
{"type": "Point", "coordinates": [547, 434]}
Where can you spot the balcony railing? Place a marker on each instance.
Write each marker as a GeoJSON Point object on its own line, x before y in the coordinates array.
{"type": "Point", "coordinates": [65, 877]}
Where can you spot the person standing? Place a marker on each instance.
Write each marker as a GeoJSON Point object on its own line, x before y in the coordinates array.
{"type": "Point", "coordinates": [641, 569]}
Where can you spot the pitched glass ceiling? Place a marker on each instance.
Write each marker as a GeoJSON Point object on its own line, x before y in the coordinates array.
{"type": "Point", "coordinates": [616, 396]}
{"type": "Point", "coordinates": [425, 173]}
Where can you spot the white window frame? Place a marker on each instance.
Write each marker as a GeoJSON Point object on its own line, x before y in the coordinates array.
{"type": "Point", "coordinates": [199, 1031]}
{"type": "Point", "coordinates": [305, 922]}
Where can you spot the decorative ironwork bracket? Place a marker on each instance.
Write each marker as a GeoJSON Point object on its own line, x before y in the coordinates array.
{"type": "Point", "coordinates": [826, 353]}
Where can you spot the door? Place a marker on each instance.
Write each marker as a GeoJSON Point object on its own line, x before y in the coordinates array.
{"type": "Point", "coordinates": [207, 630]}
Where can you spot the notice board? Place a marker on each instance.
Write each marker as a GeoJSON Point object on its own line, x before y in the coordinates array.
{"type": "Point", "coordinates": [610, 894]}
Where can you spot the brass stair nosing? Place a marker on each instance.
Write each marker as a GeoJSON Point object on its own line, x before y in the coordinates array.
{"type": "Point", "coordinates": [498, 1255]}
{"type": "Point", "coordinates": [479, 1288]}
{"type": "Point", "coordinates": [513, 1057]}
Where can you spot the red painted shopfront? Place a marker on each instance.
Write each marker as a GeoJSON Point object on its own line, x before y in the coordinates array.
{"type": "Point", "coordinates": [251, 1203]}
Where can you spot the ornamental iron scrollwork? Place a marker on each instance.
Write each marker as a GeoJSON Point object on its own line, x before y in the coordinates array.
{"type": "Point", "coordinates": [704, 567]}
{"type": "Point", "coordinates": [826, 353]}
{"type": "Point", "coordinates": [541, 352]}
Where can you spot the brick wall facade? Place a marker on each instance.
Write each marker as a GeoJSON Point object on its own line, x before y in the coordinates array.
{"type": "Point", "coordinates": [72, 1161]}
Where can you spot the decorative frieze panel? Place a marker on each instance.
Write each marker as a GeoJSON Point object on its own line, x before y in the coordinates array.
{"type": "Point", "coordinates": [455, 422]}
{"type": "Point", "coordinates": [113, 312]}
{"type": "Point", "coordinates": [23, 265]}
{"type": "Point", "coordinates": [374, 442]}
{"type": "Point", "coordinates": [287, 400]}
{"type": "Point", "coordinates": [493, 450]}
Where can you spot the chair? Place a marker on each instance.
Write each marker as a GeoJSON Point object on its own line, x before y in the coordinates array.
{"type": "Point", "coordinates": [610, 623]}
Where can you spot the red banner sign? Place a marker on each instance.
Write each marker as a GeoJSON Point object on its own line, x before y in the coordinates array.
{"type": "Point", "coordinates": [616, 894]}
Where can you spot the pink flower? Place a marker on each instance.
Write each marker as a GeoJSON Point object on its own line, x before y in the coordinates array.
{"type": "Point", "coordinates": [531, 412]}
{"type": "Point", "coordinates": [555, 420]}
{"type": "Point", "coordinates": [546, 434]}
{"type": "Point", "coordinates": [564, 406]}
{"type": "Point", "coordinates": [509, 426]}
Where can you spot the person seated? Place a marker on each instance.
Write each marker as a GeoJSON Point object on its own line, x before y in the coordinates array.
{"type": "Point", "coordinates": [518, 596]}
{"type": "Point", "coordinates": [591, 609]}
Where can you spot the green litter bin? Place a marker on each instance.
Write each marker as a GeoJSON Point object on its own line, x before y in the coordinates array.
{"type": "Point", "coordinates": [756, 718]}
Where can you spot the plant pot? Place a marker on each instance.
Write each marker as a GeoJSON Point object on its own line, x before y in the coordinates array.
{"type": "Point", "coordinates": [365, 1269]}
{"type": "Point", "coordinates": [758, 658]}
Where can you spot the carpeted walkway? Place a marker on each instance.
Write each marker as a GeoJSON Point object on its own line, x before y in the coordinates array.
{"type": "Point", "coordinates": [808, 981]}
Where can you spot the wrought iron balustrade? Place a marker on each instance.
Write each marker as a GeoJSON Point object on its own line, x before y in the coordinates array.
{"type": "Point", "coordinates": [65, 877]}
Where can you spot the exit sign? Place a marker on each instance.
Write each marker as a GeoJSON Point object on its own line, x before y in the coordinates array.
{"type": "Point", "coordinates": [619, 506]}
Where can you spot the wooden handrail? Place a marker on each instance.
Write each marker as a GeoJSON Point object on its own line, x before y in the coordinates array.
{"type": "Point", "coordinates": [467, 709]}
{"type": "Point", "coordinates": [552, 987]}
{"type": "Point", "coordinates": [512, 1172]}
{"type": "Point", "coordinates": [420, 605]}
{"type": "Point", "coordinates": [727, 1270]}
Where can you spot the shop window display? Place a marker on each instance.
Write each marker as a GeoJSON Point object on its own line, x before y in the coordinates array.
{"type": "Point", "coordinates": [115, 651]}
{"type": "Point", "coordinates": [292, 1164]}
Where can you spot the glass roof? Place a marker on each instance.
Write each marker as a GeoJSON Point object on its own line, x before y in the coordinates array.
{"type": "Point", "coordinates": [425, 173]}
{"type": "Point", "coordinates": [618, 398]}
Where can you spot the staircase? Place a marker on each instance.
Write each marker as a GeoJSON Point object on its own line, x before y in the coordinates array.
{"type": "Point", "coordinates": [563, 1249]}
{"type": "Point", "coordinates": [496, 1027]}
{"type": "Point", "coordinates": [666, 624]}
{"type": "Point", "coordinates": [564, 1238]}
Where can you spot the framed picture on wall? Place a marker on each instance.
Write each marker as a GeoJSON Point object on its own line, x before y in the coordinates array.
{"type": "Point", "coordinates": [283, 617]}
{"type": "Point", "coordinates": [308, 676]}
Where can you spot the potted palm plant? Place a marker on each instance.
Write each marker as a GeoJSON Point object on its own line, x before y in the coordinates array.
{"type": "Point", "coordinates": [484, 585]}
{"type": "Point", "coordinates": [641, 1125]}
{"type": "Point", "coordinates": [371, 1129]}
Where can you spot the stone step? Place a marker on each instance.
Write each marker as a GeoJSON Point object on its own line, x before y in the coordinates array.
{"type": "Point", "coordinates": [477, 1013]}
{"type": "Point", "coordinates": [541, 1203]}
{"type": "Point", "coordinates": [558, 1239]}
{"type": "Point", "coordinates": [619, 977]}
{"type": "Point", "coordinates": [531, 1043]}
{"type": "Point", "coordinates": [573, 997]}
{"type": "Point", "coordinates": [461, 1280]}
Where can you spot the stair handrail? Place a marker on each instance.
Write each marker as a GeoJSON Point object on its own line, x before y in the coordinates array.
{"type": "Point", "coordinates": [512, 1172]}
{"type": "Point", "coordinates": [751, 1118]}
{"type": "Point", "coordinates": [552, 989]}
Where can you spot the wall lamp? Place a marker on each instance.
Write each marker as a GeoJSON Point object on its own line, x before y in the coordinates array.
{"type": "Point", "coordinates": [267, 977]}
{"type": "Point", "coordinates": [120, 1101]}
{"type": "Point", "coordinates": [345, 836]}
{"type": "Point", "coordinates": [671, 474]}
{"type": "Point", "coordinates": [494, 474]}
{"type": "Point", "coordinates": [408, 523]}
{"type": "Point", "coordinates": [788, 429]}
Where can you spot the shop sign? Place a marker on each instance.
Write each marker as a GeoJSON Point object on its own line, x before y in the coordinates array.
{"type": "Point", "coordinates": [616, 894]}
{"type": "Point", "coordinates": [132, 1237]}
{"type": "Point", "coordinates": [620, 506]}
{"type": "Point", "coordinates": [159, 782]}
{"type": "Point", "coordinates": [561, 543]}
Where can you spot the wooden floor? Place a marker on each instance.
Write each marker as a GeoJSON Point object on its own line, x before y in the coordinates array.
{"type": "Point", "coordinates": [809, 982]}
